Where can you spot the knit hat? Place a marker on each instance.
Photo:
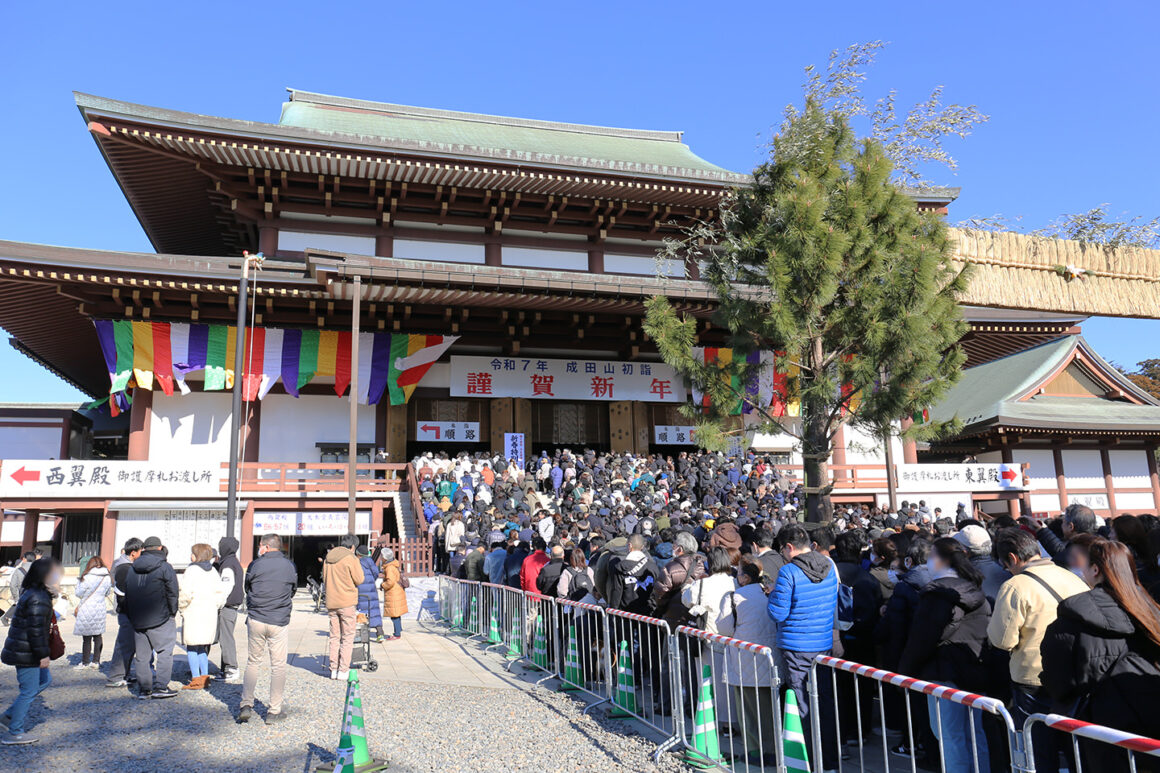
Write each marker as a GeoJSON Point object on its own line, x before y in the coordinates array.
{"type": "Point", "coordinates": [975, 539]}
{"type": "Point", "coordinates": [151, 542]}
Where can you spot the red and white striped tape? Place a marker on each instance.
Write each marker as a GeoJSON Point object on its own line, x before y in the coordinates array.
{"type": "Point", "coordinates": [1136, 743]}
{"type": "Point", "coordinates": [638, 618]}
{"type": "Point", "coordinates": [747, 646]}
{"type": "Point", "coordinates": [579, 605]}
{"type": "Point", "coordinates": [917, 685]}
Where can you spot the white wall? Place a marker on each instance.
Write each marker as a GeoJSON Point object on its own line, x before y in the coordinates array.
{"type": "Point", "coordinates": [30, 442]}
{"type": "Point", "coordinates": [290, 427]}
{"type": "Point", "coordinates": [1130, 468]}
{"type": "Point", "coordinates": [299, 241]}
{"type": "Point", "coordinates": [452, 252]}
{"type": "Point", "coordinates": [1042, 463]}
{"type": "Point", "coordinates": [194, 428]}
{"type": "Point", "coordinates": [645, 265]}
{"type": "Point", "coordinates": [1083, 469]}
{"type": "Point", "coordinates": [534, 257]}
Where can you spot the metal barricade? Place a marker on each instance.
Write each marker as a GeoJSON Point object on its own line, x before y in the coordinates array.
{"type": "Point", "coordinates": [466, 608]}
{"type": "Point", "coordinates": [956, 721]}
{"type": "Point", "coordinates": [504, 607]}
{"type": "Point", "coordinates": [729, 689]}
{"type": "Point", "coordinates": [541, 648]}
{"type": "Point", "coordinates": [1104, 750]}
{"type": "Point", "coordinates": [642, 674]}
{"type": "Point", "coordinates": [584, 650]}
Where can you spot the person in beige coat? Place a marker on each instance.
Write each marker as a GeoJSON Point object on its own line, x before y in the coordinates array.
{"type": "Point", "coordinates": [201, 596]}
{"type": "Point", "coordinates": [394, 592]}
{"type": "Point", "coordinates": [341, 574]}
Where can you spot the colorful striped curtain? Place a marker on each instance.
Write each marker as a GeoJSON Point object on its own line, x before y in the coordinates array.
{"type": "Point", "coordinates": [142, 354]}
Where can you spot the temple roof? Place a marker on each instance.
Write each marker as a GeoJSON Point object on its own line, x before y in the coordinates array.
{"type": "Point", "coordinates": [1061, 385]}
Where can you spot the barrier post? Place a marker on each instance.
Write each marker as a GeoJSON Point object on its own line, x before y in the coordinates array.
{"type": "Point", "coordinates": [1104, 748]}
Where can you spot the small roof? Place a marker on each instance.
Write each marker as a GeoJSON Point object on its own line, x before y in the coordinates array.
{"type": "Point", "coordinates": [996, 394]}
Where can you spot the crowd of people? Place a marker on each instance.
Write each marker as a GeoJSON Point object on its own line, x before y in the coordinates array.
{"type": "Point", "coordinates": [1056, 615]}
{"type": "Point", "coordinates": [156, 609]}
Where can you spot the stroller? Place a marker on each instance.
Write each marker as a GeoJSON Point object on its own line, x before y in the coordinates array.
{"type": "Point", "coordinates": [360, 656]}
{"type": "Point", "coordinates": [317, 592]}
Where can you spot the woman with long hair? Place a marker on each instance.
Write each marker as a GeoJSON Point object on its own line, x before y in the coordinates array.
{"type": "Point", "coordinates": [1100, 655]}
{"type": "Point", "coordinates": [27, 646]}
{"type": "Point", "coordinates": [90, 612]}
{"type": "Point", "coordinates": [200, 598]}
{"type": "Point", "coordinates": [946, 639]}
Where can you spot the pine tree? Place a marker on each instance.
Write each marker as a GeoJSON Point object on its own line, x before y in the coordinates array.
{"type": "Point", "coordinates": [824, 258]}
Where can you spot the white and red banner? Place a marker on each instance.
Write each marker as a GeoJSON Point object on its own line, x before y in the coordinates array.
{"type": "Point", "coordinates": [108, 479]}
{"type": "Point", "coordinates": [543, 379]}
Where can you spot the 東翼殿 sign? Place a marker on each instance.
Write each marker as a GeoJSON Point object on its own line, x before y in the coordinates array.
{"type": "Point", "coordinates": [544, 379]}
{"type": "Point", "coordinates": [104, 479]}
{"type": "Point", "coordinates": [961, 477]}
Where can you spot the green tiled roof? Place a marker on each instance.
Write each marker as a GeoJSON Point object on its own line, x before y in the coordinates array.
{"type": "Point", "coordinates": [474, 135]}
{"type": "Point", "coordinates": [988, 394]}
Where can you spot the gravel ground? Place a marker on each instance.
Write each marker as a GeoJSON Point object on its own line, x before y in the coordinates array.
{"type": "Point", "coordinates": [84, 726]}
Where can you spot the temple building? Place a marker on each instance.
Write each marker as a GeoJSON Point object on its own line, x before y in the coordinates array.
{"type": "Point", "coordinates": [499, 267]}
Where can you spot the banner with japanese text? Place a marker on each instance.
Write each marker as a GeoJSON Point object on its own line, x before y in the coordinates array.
{"type": "Point", "coordinates": [105, 478]}
{"type": "Point", "coordinates": [544, 379]}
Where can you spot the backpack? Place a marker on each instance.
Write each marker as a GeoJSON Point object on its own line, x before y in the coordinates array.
{"type": "Point", "coordinates": [579, 584]}
{"type": "Point", "coordinates": [845, 611]}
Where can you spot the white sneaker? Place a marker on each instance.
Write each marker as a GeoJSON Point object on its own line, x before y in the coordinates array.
{"type": "Point", "coordinates": [81, 667]}
{"type": "Point", "coordinates": [334, 675]}
{"type": "Point", "coordinates": [95, 666]}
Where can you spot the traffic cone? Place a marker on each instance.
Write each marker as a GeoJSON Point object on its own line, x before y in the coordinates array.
{"type": "Point", "coordinates": [573, 673]}
{"type": "Point", "coordinates": [540, 645]}
{"type": "Point", "coordinates": [473, 616]}
{"type": "Point", "coordinates": [516, 640]}
{"type": "Point", "coordinates": [493, 634]}
{"type": "Point", "coordinates": [457, 613]}
{"type": "Point", "coordinates": [353, 755]}
{"type": "Point", "coordinates": [624, 698]}
{"type": "Point", "coordinates": [706, 751]}
{"type": "Point", "coordinates": [793, 736]}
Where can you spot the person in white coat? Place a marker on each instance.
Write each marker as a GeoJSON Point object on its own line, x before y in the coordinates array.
{"type": "Point", "coordinates": [703, 598]}
{"type": "Point", "coordinates": [744, 615]}
{"type": "Point", "coordinates": [201, 596]}
{"type": "Point", "coordinates": [91, 613]}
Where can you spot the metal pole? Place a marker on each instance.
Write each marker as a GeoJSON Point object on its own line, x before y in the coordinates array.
{"type": "Point", "coordinates": [236, 411]}
{"type": "Point", "coordinates": [352, 452]}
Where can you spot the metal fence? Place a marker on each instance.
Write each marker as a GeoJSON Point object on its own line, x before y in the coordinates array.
{"type": "Point", "coordinates": [722, 699]}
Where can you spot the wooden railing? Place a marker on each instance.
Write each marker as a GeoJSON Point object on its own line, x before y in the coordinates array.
{"type": "Point", "coordinates": [412, 479]}
{"type": "Point", "coordinates": [414, 555]}
{"type": "Point", "coordinates": [308, 477]}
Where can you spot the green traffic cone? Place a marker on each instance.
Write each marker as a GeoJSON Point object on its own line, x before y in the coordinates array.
{"type": "Point", "coordinates": [352, 721]}
{"type": "Point", "coordinates": [515, 641]}
{"type": "Point", "coordinates": [706, 751]}
{"type": "Point", "coordinates": [540, 645]}
{"type": "Point", "coordinates": [573, 673]}
{"type": "Point", "coordinates": [473, 616]}
{"type": "Point", "coordinates": [793, 736]}
{"type": "Point", "coordinates": [344, 757]}
{"type": "Point", "coordinates": [624, 698]}
{"type": "Point", "coordinates": [493, 635]}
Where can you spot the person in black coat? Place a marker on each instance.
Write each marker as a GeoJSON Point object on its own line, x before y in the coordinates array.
{"type": "Point", "coordinates": [232, 575]}
{"type": "Point", "coordinates": [270, 586]}
{"type": "Point", "coordinates": [1100, 656]}
{"type": "Point", "coordinates": [27, 645]}
{"type": "Point", "coordinates": [944, 646]}
{"type": "Point", "coordinates": [151, 593]}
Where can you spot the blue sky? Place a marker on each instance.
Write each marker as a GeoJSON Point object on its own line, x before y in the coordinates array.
{"type": "Point", "coordinates": [1071, 90]}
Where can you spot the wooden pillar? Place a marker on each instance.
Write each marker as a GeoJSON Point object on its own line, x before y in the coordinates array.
{"type": "Point", "coordinates": [385, 244]}
{"type": "Point", "coordinates": [522, 422]}
{"type": "Point", "coordinates": [246, 535]}
{"type": "Point", "coordinates": [595, 255]}
{"type": "Point", "coordinates": [1154, 476]}
{"type": "Point", "coordinates": [397, 432]}
{"type": "Point", "coordinates": [838, 454]}
{"type": "Point", "coordinates": [1109, 481]}
{"type": "Point", "coordinates": [109, 546]}
{"type": "Point", "coordinates": [1060, 478]}
{"type": "Point", "coordinates": [692, 268]}
{"type": "Point", "coordinates": [502, 420]}
{"type": "Point", "coordinates": [268, 240]}
{"type": "Point", "coordinates": [641, 427]}
{"type": "Point", "coordinates": [1012, 504]}
{"type": "Point", "coordinates": [251, 432]}
{"type": "Point", "coordinates": [620, 434]}
{"type": "Point", "coordinates": [31, 526]}
{"type": "Point", "coordinates": [140, 417]}
{"type": "Point", "coordinates": [909, 448]}
{"type": "Point", "coordinates": [377, 515]}
{"type": "Point", "coordinates": [381, 408]}
{"type": "Point", "coordinates": [492, 253]}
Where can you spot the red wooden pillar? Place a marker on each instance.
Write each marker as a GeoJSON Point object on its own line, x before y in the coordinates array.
{"type": "Point", "coordinates": [268, 240]}
{"type": "Point", "coordinates": [909, 447]}
{"type": "Point", "coordinates": [1154, 475]}
{"type": "Point", "coordinates": [31, 526]}
{"type": "Point", "coordinates": [140, 417]}
{"type": "Point", "coordinates": [1012, 504]}
{"type": "Point", "coordinates": [385, 244]}
{"type": "Point", "coordinates": [377, 516]}
{"type": "Point", "coordinates": [595, 255]}
{"type": "Point", "coordinates": [246, 535]}
{"type": "Point", "coordinates": [109, 546]}
{"type": "Point", "coordinates": [492, 253]}
{"type": "Point", "coordinates": [839, 453]}
{"type": "Point", "coordinates": [1060, 478]}
{"type": "Point", "coordinates": [1109, 481]}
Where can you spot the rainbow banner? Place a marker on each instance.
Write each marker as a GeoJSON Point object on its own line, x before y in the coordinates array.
{"type": "Point", "coordinates": [757, 393]}
{"type": "Point", "coordinates": [144, 354]}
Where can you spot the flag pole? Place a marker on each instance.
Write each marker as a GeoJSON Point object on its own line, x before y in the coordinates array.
{"type": "Point", "coordinates": [236, 411]}
{"type": "Point", "coordinates": [352, 449]}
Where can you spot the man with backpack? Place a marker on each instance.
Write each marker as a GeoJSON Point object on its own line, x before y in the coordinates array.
{"type": "Point", "coordinates": [630, 578]}
{"type": "Point", "coordinates": [549, 577]}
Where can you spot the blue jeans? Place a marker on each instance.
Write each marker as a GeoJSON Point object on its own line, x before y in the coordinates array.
{"type": "Point", "coordinates": [951, 723]}
{"type": "Point", "coordinates": [198, 656]}
{"type": "Point", "coordinates": [397, 622]}
{"type": "Point", "coordinates": [33, 680]}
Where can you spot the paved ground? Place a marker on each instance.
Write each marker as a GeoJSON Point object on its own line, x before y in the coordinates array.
{"type": "Point", "coordinates": [436, 703]}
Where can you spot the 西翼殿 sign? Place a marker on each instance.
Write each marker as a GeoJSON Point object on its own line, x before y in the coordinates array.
{"type": "Point", "coordinates": [104, 479]}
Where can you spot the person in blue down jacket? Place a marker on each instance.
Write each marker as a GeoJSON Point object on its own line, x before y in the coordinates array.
{"type": "Point", "coordinates": [804, 603]}
{"type": "Point", "coordinates": [368, 595]}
